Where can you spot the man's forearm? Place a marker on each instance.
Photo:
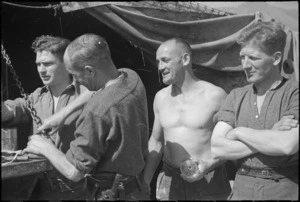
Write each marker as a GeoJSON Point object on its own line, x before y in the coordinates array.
{"type": "Point", "coordinates": [228, 149]}
{"type": "Point", "coordinates": [213, 163]}
{"type": "Point", "coordinates": [58, 118]}
{"type": "Point", "coordinates": [153, 158]}
{"type": "Point", "coordinates": [152, 161]}
{"type": "Point", "coordinates": [270, 142]}
{"type": "Point", "coordinates": [77, 103]}
{"type": "Point", "coordinates": [60, 162]}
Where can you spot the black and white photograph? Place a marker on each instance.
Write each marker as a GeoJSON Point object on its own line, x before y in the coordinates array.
{"type": "Point", "coordinates": [149, 100]}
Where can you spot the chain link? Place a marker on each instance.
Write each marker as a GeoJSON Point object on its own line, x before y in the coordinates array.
{"type": "Point", "coordinates": [29, 105]}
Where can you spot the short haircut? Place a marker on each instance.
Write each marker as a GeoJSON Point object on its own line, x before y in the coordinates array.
{"type": "Point", "coordinates": [88, 49]}
{"type": "Point", "coordinates": [55, 45]}
{"type": "Point", "coordinates": [186, 46]}
{"type": "Point", "coordinates": [269, 36]}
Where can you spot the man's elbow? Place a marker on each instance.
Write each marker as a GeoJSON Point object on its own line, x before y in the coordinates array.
{"type": "Point", "coordinates": [290, 149]}
{"type": "Point", "coordinates": [291, 145]}
{"type": "Point", "coordinates": [216, 153]}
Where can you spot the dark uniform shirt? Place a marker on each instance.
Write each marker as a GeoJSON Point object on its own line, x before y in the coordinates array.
{"type": "Point", "coordinates": [112, 131]}
{"type": "Point", "coordinates": [240, 109]}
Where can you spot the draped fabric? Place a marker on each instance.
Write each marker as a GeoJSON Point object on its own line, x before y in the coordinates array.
{"type": "Point", "coordinates": [211, 35]}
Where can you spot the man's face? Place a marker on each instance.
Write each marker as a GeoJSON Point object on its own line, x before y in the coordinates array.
{"type": "Point", "coordinates": [51, 69]}
{"type": "Point", "coordinates": [169, 63]}
{"type": "Point", "coordinates": [78, 75]}
{"type": "Point", "coordinates": [257, 64]}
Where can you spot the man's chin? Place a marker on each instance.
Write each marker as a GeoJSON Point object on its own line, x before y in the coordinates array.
{"type": "Point", "coordinates": [47, 83]}
{"type": "Point", "coordinates": [166, 81]}
{"type": "Point", "coordinates": [250, 79]}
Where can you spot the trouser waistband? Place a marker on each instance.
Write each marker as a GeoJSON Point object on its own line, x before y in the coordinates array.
{"type": "Point", "coordinates": [271, 173]}
{"type": "Point", "coordinates": [167, 165]}
{"type": "Point", "coordinates": [105, 181]}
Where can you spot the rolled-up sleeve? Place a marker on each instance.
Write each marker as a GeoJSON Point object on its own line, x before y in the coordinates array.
{"type": "Point", "coordinates": [226, 112]}
{"type": "Point", "coordinates": [89, 143]}
{"type": "Point", "coordinates": [293, 104]}
{"type": "Point", "coordinates": [21, 113]}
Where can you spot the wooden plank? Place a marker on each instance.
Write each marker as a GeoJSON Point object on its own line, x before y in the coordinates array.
{"type": "Point", "coordinates": [17, 169]}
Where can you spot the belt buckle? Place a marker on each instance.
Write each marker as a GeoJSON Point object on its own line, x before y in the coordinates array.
{"type": "Point", "coordinates": [244, 170]}
{"type": "Point", "coordinates": [265, 173]}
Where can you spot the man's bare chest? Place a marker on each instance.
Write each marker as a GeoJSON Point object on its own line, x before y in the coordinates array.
{"type": "Point", "coordinates": [188, 113]}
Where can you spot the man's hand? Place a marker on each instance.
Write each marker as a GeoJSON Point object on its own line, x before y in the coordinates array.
{"type": "Point", "coordinates": [52, 124]}
{"type": "Point", "coordinates": [286, 123]}
{"type": "Point", "coordinates": [6, 112]}
{"type": "Point", "coordinates": [38, 145]}
{"type": "Point", "coordinates": [199, 173]}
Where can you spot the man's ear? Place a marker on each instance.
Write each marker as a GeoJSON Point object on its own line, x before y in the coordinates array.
{"type": "Point", "coordinates": [89, 70]}
{"type": "Point", "coordinates": [186, 59]}
{"type": "Point", "coordinates": [277, 58]}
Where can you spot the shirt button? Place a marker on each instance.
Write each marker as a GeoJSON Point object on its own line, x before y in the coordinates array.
{"type": "Point", "coordinates": [254, 103]}
{"type": "Point", "coordinates": [256, 116]}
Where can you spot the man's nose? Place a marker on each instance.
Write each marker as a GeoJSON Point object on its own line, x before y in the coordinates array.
{"type": "Point", "coordinates": [161, 66]}
{"type": "Point", "coordinates": [41, 68]}
{"type": "Point", "coordinates": [246, 63]}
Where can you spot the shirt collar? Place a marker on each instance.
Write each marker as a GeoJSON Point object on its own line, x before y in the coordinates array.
{"type": "Point", "coordinates": [74, 84]}
{"type": "Point", "coordinates": [274, 86]}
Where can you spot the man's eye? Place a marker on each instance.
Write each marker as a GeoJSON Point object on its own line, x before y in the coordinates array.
{"type": "Point", "coordinates": [253, 58]}
{"type": "Point", "coordinates": [47, 64]}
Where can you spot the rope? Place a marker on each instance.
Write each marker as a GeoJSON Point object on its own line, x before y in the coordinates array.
{"type": "Point", "coordinates": [215, 10]}
{"type": "Point", "coordinates": [25, 6]}
{"type": "Point", "coordinates": [56, 7]}
{"type": "Point", "coordinates": [16, 153]}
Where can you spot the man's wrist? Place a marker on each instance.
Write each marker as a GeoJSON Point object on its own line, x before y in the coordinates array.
{"type": "Point", "coordinates": [240, 132]}
{"type": "Point", "coordinates": [49, 149]}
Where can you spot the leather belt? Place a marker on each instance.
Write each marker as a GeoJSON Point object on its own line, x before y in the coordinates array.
{"type": "Point", "coordinates": [106, 181]}
{"type": "Point", "coordinates": [271, 173]}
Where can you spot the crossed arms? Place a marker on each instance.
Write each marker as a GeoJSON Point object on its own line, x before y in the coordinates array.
{"type": "Point", "coordinates": [232, 144]}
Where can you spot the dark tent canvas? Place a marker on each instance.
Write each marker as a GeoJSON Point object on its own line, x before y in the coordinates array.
{"type": "Point", "coordinates": [211, 33]}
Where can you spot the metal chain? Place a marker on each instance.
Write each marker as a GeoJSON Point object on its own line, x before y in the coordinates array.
{"type": "Point", "coordinates": [29, 105]}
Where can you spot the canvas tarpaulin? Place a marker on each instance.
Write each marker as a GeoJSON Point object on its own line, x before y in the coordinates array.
{"type": "Point", "coordinates": [146, 24]}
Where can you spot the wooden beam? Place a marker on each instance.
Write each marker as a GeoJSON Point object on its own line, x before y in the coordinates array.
{"type": "Point", "coordinates": [18, 169]}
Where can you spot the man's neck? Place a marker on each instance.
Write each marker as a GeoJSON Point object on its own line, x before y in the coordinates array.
{"type": "Point", "coordinates": [57, 89]}
{"type": "Point", "coordinates": [262, 88]}
{"type": "Point", "coordinates": [187, 85]}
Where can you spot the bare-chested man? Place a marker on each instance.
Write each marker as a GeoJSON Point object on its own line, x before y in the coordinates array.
{"type": "Point", "coordinates": [182, 129]}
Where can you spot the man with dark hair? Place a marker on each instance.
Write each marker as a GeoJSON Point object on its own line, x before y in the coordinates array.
{"type": "Point", "coordinates": [182, 130]}
{"type": "Point", "coordinates": [258, 123]}
{"type": "Point", "coordinates": [112, 131]}
{"type": "Point", "coordinates": [58, 91]}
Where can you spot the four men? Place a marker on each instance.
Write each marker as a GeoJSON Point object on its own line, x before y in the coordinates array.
{"type": "Point", "coordinates": [109, 145]}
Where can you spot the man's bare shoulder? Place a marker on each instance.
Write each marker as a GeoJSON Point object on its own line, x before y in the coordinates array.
{"type": "Point", "coordinates": [212, 91]}
{"type": "Point", "coordinates": [163, 92]}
